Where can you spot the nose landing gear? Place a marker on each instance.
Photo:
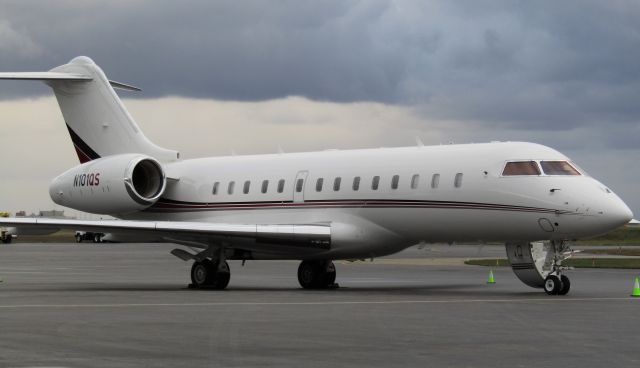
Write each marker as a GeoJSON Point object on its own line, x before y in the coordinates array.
{"type": "Point", "coordinates": [541, 265]}
{"type": "Point", "coordinates": [554, 285]}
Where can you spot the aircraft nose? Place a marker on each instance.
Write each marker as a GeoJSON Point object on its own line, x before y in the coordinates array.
{"type": "Point", "coordinates": [619, 213]}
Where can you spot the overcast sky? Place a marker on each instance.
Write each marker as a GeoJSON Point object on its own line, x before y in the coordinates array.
{"type": "Point", "coordinates": [310, 75]}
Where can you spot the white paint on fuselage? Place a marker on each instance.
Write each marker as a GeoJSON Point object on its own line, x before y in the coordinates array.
{"type": "Point", "coordinates": [486, 207]}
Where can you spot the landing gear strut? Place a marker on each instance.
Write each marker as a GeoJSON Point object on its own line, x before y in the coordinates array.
{"type": "Point", "coordinates": [317, 274]}
{"type": "Point", "coordinates": [207, 274]}
{"type": "Point", "coordinates": [541, 265]}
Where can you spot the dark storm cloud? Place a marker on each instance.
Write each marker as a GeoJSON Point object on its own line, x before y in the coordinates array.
{"type": "Point", "coordinates": [518, 64]}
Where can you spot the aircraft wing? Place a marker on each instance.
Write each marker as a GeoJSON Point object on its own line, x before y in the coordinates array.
{"type": "Point", "coordinates": [314, 236]}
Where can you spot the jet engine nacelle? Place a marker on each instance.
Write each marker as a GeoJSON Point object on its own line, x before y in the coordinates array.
{"type": "Point", "coordinates": [111, 185]}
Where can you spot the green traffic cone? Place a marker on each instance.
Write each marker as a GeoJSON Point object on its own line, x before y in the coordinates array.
{"type": "Point", "coordinates": [491, 280]}
{"type": "Point", "coordinates": [636, 289]}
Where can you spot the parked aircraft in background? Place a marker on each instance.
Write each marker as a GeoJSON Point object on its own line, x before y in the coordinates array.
{"type": "Point", "coordinates": [317, 207]}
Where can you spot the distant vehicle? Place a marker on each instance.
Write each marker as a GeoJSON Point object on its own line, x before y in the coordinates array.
{"type": "Point", "coordinates": [6, 234]}
{"type": "Point", "coordinates": [317, 207]}
{"type": "Point", "coordinates": [88, 236]}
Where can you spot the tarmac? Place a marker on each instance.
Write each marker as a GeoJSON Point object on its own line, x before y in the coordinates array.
{"type": "Point", "coordinates": [128, 305]}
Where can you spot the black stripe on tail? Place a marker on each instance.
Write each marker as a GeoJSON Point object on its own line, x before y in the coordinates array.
{"type": "Point", "coordinates": [85, 153]}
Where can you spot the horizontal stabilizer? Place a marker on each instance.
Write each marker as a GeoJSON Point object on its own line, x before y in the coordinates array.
{"type": "Point", "coordinates": [63, 77]}
{"type": "Point", "coordinates": [45, 76]}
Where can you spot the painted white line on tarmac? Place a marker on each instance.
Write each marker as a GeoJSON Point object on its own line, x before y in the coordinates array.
{"type": "Point", "coordinates": [337, 303]}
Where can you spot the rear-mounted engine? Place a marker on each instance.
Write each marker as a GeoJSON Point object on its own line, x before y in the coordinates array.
{"type": "Point", "coordinates": [111, 185]}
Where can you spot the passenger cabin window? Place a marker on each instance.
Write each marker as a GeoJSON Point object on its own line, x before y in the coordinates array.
{"type": "Point", "coordinates": [280, 185]}
{"type": "Point", "coordinates": [375, 182]}
{"type": "Point", "coordinates": [558, 168]}
{"type": "Point", "coordinates": [216, 185]}
{"type": "Point", "coordinates": [394, 181]}
{"type": "Point", "coordinates": [435, 181]}
{"type": "Point", "coordinates": [299, 185]}
{"type": "Point", "coordinates": [414, 181]}
{"type": "Point", "coordinates": [232, 184]}
{"type": "Point", "coordinates": [247, 185]}
{"type": "Point", "coordinates": [356, 183]}
{"type": "Point", "coordinates": [458, 180]}
{"type": "Point", "coordinates": [265, 186]}
{"type": "Point", "coordinates": [336, 184]}
{"type": "Point", "coordinates": [520, 168]}
{"type": "Point", "coordinates": [319, 184]}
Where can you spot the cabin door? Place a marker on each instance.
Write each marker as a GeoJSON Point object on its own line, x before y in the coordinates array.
{"type": "Point", "coordinates": [298, 186]}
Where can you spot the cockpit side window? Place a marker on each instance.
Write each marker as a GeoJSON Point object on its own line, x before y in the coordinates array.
{"type": "Point", "coordinates": [517, 168]}
{"type": "Point", "coordinates": [558, 168]}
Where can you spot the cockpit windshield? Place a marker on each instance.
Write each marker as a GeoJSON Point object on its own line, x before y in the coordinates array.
{"type": "Point", "coordinates": [558, 168]}
{"type": "Point", "coordinates": [521, 168]}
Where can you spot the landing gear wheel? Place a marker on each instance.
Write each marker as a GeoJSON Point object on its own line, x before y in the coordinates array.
{"type": "Point", "coordinates": [316, 274]}
{"type": "Point", "coordinates": [552, 285]}
{"type": "Point", "coordinates": [566, 285]}
{"type": "Point", "coordinates": [96, 238]}
{"type": "Point", "coordinates": [221, 276]}
{"type": "Point", "coordinates": [78, 238]}
{"type": "Point", "coordinates": [206, 274]}
{"type": "Point", "coordinates": [201, 273]}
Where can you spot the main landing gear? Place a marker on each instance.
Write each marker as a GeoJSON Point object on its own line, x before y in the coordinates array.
{"type": "Point", "coordinates": [210, 270]}
{"type": "Point", "coordinates": [317, 274]}
{"type": "Point", "coordinates": [541, 265]}
{"type": "Point", "coordinates": [207, 274]}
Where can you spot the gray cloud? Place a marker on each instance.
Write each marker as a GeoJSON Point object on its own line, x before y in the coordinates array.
{"type": "Point", "coordinates": [531, 65]}
{"type": "Point", "coordinates": [565, 74]}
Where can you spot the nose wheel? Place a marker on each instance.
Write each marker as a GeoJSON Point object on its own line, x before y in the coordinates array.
{"type": "Point", "coordinates": [554, 285]}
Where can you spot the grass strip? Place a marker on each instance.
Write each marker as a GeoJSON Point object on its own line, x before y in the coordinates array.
{"type": "Point", "coordinates": [627, 263]}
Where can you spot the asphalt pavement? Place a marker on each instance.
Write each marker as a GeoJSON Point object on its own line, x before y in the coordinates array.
{"type": "Point", "coordinates": [128, 305]}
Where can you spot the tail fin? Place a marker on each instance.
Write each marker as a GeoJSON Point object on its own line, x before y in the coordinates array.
{"type": "Point", "coordinates": [97, 121]}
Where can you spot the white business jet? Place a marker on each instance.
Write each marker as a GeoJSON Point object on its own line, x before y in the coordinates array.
{"type": "Point", "coordinates": [317, 207]}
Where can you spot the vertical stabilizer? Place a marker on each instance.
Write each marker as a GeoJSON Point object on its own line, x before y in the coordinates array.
{"type": "Point", "coordinates": [97, 120]}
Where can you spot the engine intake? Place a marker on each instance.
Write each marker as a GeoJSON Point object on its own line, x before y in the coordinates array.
{"type": "Point", "coordinates": [111, 185]}
{"type": "Point", "coordinates": [146, 181]}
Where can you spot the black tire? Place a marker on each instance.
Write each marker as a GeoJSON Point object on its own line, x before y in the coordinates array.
{"type": "Point", "coordinates": [316, 274]}
{"type": "Point", "coordinates": [221, 276]}
{"type": "Point", "coordinates": [308, 274]}
{"type": "Point", "coordinates": [96, 238]}
{"type": "Point", "coordinates": [330, 275]}
{"type": "Point", "coordinates": [78, 238]}
{"type": "Point", "coordinates": [566, 285]}
{"type": "Point", "coordinates": [552, 285]}
{"type": "Point", "coordinates": [201, 273]}
{"type": "Point", "coordinates": [7, 239]}
{"type": "Point", "coordinates": [205, 274]}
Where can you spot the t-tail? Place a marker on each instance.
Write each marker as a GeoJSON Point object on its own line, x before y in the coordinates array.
{"type": "Point", "coordinates": [97, 121]}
